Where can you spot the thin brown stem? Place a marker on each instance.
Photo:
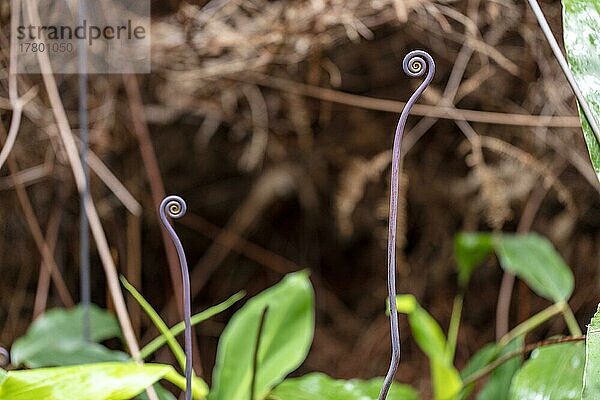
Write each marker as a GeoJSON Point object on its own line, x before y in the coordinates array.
{"type": "Point", "coordinates": [70, 146]}
{"type": "Point", "coordinates": [43, 286]}
{"type": "Point", "coordinates": [36, 231]}
{"type": "Point", "coordinates": [157, 187]}
{"type": "Point", "coordinates": [134, 266]}
{"type": "Point", "coordinates": [524, 350]}
{"type": "Point", "coordinates": [393, 106]}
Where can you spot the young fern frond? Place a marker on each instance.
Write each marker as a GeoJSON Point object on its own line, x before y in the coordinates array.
{"type": "Point", "coordinates": [415, 64]}
{"type": "Point", "coordinates": [175, 207]}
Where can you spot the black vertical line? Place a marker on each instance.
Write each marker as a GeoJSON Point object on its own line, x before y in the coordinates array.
{"type": "Point", "coordinates": [84, 238]}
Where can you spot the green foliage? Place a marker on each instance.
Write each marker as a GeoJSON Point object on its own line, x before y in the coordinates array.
{"type": "Point", "coordinates": [591, 379]}
{"type": "Point", "coordinates": [480, 360]}
{"type": "Point", "coordinates": [167, 334]}
{"type": "Point", "coordinates": [107, 381]}
{"type": "Point", "coordinates": [470, 250]}
{"type": "Point", "coordinates": [158, 323]}
{"type": "Point", "coordinates": [582, 42]}
{"type": "Point", "coordinates": [431, 339]}
{"type": "Point", "coordinates": [286, 338]}
{"type": "Point", "coordinates": [498, 385]}
{"type": "Point", "coordinates": [56, 339]}
{"type": "Point", "coordinates": [161, 392]}
{"type": "Point", "coordinates": [531, 257]}
{"type": "Point", "coordinates": [534, 260]}
{"type": "Point", "coordinates": [552, 372]}
{"type": "Point", "coordinates": [320, 386]}
{"type": "Point", "coordinates": [158, 342]}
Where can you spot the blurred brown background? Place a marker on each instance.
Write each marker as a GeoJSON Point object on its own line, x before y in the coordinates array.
{"type": "Point", "coordinates": [274, 120]}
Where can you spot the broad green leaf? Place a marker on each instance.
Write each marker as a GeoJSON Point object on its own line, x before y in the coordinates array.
{"type": "Point", "coordinates": [531, 257]}
{"type": "Point", "coordinates": [64, 353]}
{"type": "Point", "coordinates": [2, 376]}
{"type": "Point", "coordinates": [431, 339]}
{"type": "Point", "coordinates": [534, 260]}
{"type": "Point", "coordinates": [158, 322]}
{"type": "Point", "coordinates": [552, 373]}
{"type": "Point", "coordinates": [470, 250]}
{"type": "Point", "coordinates": [107, 381]}
{"type": "Point", "coordinates": [318, 386]}
{"type": "Point", "coordinates": [591, 381]}
{"type": "Point", "coordinates": [581, 19]}
{"type": "Point", "coordinates": [158, 342]}
{"type": "Point", "coordinates": [498, 385]}
{"type": "Point", "coordinates": [286, 337]}
{"type": "Point", "coordinates": [56, 338]}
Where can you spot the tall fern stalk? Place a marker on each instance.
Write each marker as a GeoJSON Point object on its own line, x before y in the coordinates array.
{"type": "Point", "coordinates": [415, 64]}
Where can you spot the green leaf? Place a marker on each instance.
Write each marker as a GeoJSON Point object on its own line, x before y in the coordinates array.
{"type": "Point", "coordinates": [199, 387]}
{"type": "Point", "coordinates": [158, 322]}
{"type": "Point", "coordinates": [552, 373]}
{"type": "Point", "coordinates": [470, 250]}
{"type": "Point", "coordinates": [480, 359]}
{"type": "Point", "coordinates": [56, 338]}
{"type": "Point", "coordinates": [107, 381]}
{"type": "Point", "coordinates": [427, 333]}
{"type": "Point", "coordinates": [534, 260]}
{"type": "Point", "coordinates": [581, 19]}
{"type": "Point", "coordinates": [161, 392]}
{"type": "Point", "coordinates": [320, 386]}
{"type": "Point", "coordinates": [286, 337]}
{"type": "Point", "coordinates": [531, 257]}
{"type": "Point", "coordinates": [498, 385]}
{"type": "Point", "coordinates": [446, 380]}
{"type": "Point", "coordinates": [3, 376]}
{"type": "Point", "coordinates": [158, 342]}
{"type": "Point", "coordinates": [431, 339]}
{"type": "Point", "coordinates": [591, 383]}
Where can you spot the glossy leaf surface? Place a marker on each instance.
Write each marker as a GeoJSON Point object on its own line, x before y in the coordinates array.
{"type": "Point", "coordinates": [320, 386]}
{"type": "Point", "coordinates": [286, 338]}
{"type": "Point", "coordinates": [591, 379]}
{"type": "Point", "coordinates": [107, 381]}
{"type": "Point", "coordinates": [552, 373]}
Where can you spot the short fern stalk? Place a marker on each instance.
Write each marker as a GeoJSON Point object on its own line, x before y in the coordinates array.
{"type": "Point", "coordinates": [175, 207]}
{"type": "Point", "coordinates": [415, 64]}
